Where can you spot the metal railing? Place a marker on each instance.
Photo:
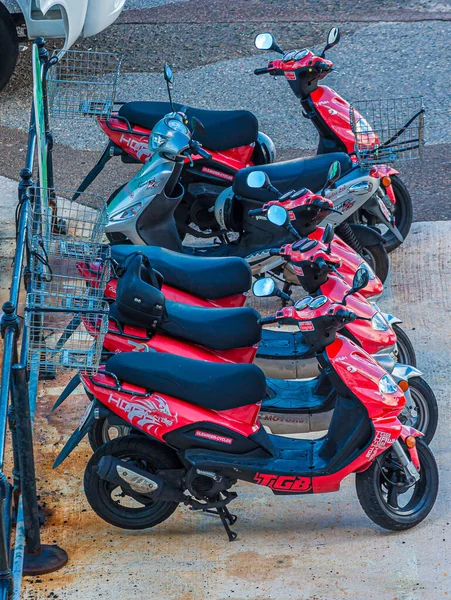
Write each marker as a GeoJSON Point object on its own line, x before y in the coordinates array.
{"type": "Point", "coordinates": [18, 391]}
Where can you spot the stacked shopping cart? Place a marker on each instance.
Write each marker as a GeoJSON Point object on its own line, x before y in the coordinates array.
{"type": "Point", "coordinates": [66, 313]}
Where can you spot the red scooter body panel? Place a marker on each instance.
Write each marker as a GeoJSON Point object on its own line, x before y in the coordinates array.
{"type": "Point", "coordinates": [350, 262]}
{"type": "Point", "coordinates": [134, 339]}
{"type": "Point", "coordinates": [158, 414]}
{"type": "Point", "coordinates": [171, 293]}
{"type": "Point", "coordinates": [136, 144]}
{"type": "Point", "coordinates": [372, 340]}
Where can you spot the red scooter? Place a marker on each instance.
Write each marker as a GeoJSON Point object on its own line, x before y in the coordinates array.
{"type": "Point", "coordinates": [142, 321]}
{"type": "Point", "coordinates": [198, 433]}
{"type": "Point", "coordinates": [343, 129]}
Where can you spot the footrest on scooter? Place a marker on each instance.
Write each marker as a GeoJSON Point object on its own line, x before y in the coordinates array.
{"type": "Point", "coordinates": [291, 456]}
{"type": "Point", "coordinates": [296, 396]}
{"type": "Point", "coordinates": [292, 407]}
{"type": "Point", "coordinates": [284, 355]}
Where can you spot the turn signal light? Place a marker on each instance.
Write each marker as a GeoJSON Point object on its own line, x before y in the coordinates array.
{"type": "Point", "coordinates": [411, 441]}
{"type": "Point", "coordinates": [404, 385]}
{"type": "Point", "coordinates": [386, 181]}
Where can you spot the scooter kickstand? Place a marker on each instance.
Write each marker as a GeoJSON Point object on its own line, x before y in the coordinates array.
{"type": "Point", "coordinates": [228, 515]}
{"type": "Point", "coordinates": [224, 515]}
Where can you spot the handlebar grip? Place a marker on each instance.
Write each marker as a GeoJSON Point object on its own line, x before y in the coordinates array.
{"type": "Point", "coordinates": [346, 315]}
{"type": "Point", "coordinates": [322, 264]}
{"type": "Point", "coordinates": [322, 66]}
{"type": "Point", "coordinates": [267, 320]}
{"type": "Point", "coordinates": [261, 71]}
{"type": "Point", "coordinates": [203, 153]}
{"type": "Point", "coordinates": [255, 211]}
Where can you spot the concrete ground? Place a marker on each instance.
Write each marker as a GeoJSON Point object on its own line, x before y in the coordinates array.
{"type": "Point", "coordinates": [305, 548]}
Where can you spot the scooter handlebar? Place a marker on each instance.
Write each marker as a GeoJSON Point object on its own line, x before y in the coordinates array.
{"type": "Point", "coordinates": [345, 315]}
{"type": "Point", "coordinates": [255, 211]}
{"type": "Point", "coordinates": [261, 71]}
{"type": "Point", "coordinates": [268, 320]}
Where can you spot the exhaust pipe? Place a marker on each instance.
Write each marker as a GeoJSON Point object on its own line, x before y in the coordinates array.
{"type": "Point", "coordinates": [137, 480]}
{"type": "Point", "coordinates": [287, 423]}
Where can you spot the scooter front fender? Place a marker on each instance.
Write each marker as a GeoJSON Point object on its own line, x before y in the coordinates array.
{"type": "Point", "coordinates": [406, 372]}
{"type": "Point", "coordinates": [391, 319]}
{"type": "Point", "coordinates": [413, 452]}
{"type": "Point", "coordinates": [366, 235]}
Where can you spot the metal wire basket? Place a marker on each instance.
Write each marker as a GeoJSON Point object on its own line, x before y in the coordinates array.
{"type": "Point", "coordinates": [71, 282]}
{"type": "Point", "coordinates": [388, 131]}
{"type": "Point", "coordinates": [83, 82]}
{"type": "Point", "coordinates": [61, 338]}
{"type": "Point", "coordinates": [64, 227]}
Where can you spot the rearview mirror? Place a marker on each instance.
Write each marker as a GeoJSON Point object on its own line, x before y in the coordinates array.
{"type": "Point", "coordinates": [168, 75]}
{"type": "Point", "coordinates": [328, 234]}
{"type": "Point", "coordinates": [197, 126]}
{"type": "Point", "coordinates": [360, 281]}
{"type": "Point", "coordinates": [264, 41]}
{"type": "Point", "coordinates": [334, 173]}
{"type": "Point", "coordinates": [277, 215]}
{"type": "Point", "coordinates": [333, 37]}
{"type": "Point", "coordinates": [257, 179]}
{"type": "Point", "coordinates": [264, 287]}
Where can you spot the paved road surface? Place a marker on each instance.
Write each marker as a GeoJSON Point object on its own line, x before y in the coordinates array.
{"type": "Point", "coordinates": [391, 49]}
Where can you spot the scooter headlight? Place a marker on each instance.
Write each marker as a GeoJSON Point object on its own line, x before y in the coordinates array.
{"type": "Point", "coordinates": [157, 140]}
{"type": "Point", "coordinates": [362, 126]}
{"type": "Point", "coordinates": [378, 323]}
{"type": "Point", "coordinates": [368, 269]}
{"type": "Point", "coordinates": [128, 213]}
{"type": "Point", "coordinates": [387, 385]}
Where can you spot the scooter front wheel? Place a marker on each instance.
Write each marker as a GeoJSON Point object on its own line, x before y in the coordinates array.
{"type": "Point", "coordinates": [421, 410]}
{"type": "Point", "coordinates": [122, 507]}
{"type": "Point", "coordinates": [385, 496]}
{"type": "Point", "coordinates": [403, 214]}
{"type": "Point", "coordinates": [405, 351]}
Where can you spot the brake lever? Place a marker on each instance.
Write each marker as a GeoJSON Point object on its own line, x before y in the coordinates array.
{"type": "Point", "coordinates": [189, 157]}
{"type": "Point", "coordinates": [335, 270]}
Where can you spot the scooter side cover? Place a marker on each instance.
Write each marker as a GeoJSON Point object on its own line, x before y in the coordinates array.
{"type": "Point", "coordinates": [158, 414]}
{"type": "Point", "coordinates": [335, 112]}
{"type": "Point", "coordinates": [134, 339]}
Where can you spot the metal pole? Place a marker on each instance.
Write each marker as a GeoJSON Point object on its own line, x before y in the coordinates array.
{"type": "Point", "coordinates": [26, 457]}
{"type": "Point", "coordinates": [38, 559]}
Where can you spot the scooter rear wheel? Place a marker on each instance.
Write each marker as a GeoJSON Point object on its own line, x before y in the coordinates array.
{"type": "Point", "coordinates": [118, 506]}
{"type": "Point", "coordinates": [388, 502]}
{"type": "Point", "coordinates": [102, 431]}
{"type": "Point", "coordinates": [376, 256]}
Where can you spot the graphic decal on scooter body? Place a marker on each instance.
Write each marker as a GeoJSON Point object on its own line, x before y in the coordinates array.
{"type": "Point", "coordinates": [149, 414]}
{"type": "Point", "coordinates": [284, 483]}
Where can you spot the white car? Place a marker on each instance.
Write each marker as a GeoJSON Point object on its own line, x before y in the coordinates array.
{"type": "Point", "coordinates": [69, 19]}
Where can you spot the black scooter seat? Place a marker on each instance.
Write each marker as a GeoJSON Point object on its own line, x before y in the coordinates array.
{"type": "Point", "coordinates": [205, 277]}
{"type": "Point", "coordinates": [217, 386]}
{"type": "Point", "coordinates": [224, 129]}
{"type": "Point", "coordinates": [215, 328]}
{"type": "Point", "coordinates": [310, 173]}
{"type": "Point", "coordinates": [280, 345]}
